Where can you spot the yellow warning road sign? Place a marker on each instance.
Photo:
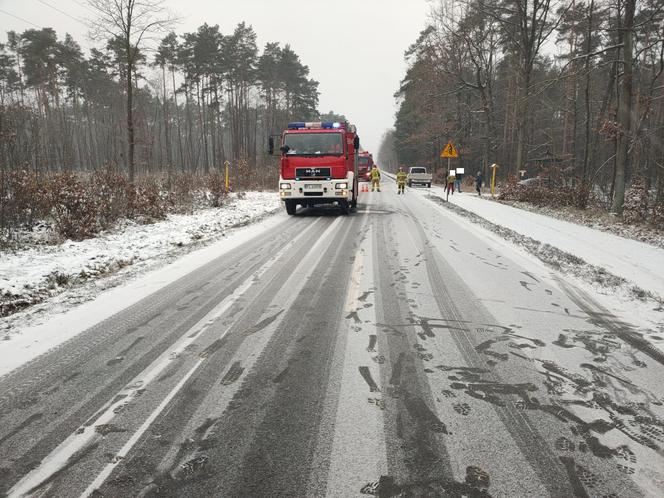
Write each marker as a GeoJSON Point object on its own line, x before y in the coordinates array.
{"type": "Point", "coordinates": [449, 151]}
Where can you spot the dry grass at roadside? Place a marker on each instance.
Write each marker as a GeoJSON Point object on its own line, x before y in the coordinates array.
{"type": "Point", "coordinates": [643, 206]}
{"type": "Point", "coordinates": [77, 206]}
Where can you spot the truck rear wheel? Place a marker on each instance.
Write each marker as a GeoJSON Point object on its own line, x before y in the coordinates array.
{"type": "Point", "coordinates": [291, 206]}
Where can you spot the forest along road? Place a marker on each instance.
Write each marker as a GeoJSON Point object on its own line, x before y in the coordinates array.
{"type": "Point", "coordinates": [398, 351]}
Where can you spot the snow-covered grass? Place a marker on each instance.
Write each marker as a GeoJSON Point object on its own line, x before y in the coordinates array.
{"type": "Point", "coordinates": [39, 271]}
{"type": "Point", "coordinates": [604, 258]}
{"type": "Point", "coordinates": [599, 220]}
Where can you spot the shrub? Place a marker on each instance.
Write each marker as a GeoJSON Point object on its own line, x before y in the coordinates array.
{"type": "Point", "coordinates": [23, 197]}
{"type": "Point", "coordinates": [181, 189]}
{"type": "Point", "coordinates": [145, 202]}
{"type": "Point", "coordinates": [111, 190]}
{"type": "Point", "coordinates": [74, 207]}
{"type": "Point", "coordinates": [657, 217]}
{"type": "Point", "coordinates": [545, 195]}
{"type": "Point", "coordinates": [243, 176]}
{"type": "Point", "coordinates": [582, 195]}
{"type": "Point", "coordinates": [80, 204]}
{"type": "Point", "coordinates": [439, 176]}
{"type": "Point", "coordinates": [216, 185]}
{"type": "Point", "coordinates": [57, 279]}
{"type": "Point", "coordinates": [635, 207]}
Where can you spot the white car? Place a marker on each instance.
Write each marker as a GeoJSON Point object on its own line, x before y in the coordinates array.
{"type": "Point", "coordinates": [418, 175]}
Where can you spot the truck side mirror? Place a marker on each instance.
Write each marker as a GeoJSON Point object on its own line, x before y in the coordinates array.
{"type": "Point", "coordinates": [270, 146]}
{"type": "Point", "coordinates": [356, 143]}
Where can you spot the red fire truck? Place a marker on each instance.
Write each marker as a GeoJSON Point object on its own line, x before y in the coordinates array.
{"type": "Point", "coordinates": [319, 164]}
{"type": "Point", "coordinates": [364, 166]}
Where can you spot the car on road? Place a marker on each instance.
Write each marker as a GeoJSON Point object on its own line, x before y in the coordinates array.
{"type": "Point", "coordinates": [417, 175]}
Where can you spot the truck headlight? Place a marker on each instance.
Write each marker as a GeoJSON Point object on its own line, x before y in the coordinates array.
{"type": "Point", "coordinates": [341, 185]}
{"type": "Point", "coordinates": [285, 186]}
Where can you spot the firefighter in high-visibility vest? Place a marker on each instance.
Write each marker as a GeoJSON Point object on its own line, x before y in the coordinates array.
{"type": "Point", "coordinates": [401, 181]}
{"type": "Point", "coordinates": [375, 178]}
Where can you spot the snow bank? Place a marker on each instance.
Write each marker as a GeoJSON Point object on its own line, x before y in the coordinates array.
{"type": "Point", "coordinates": [636, 262]}
{"type": "Point", "coordinates": [39, 272]}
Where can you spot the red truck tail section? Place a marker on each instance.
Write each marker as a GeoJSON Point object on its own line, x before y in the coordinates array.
{"type": "Point", "coordinates": [364, 166]}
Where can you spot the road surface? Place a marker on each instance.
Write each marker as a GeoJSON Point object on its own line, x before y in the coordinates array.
{"type": "Point", "coordinates": [398, 351]}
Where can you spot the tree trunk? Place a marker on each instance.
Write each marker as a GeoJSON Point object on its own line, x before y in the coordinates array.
{"type": "Point", "coordinates": [130, 115]}
{"type": "Point", "coordinates": [624, 110]}
{"type": "Point", "coordinates": [177, 117]}
{"type": "Point", "coordinates": [522, 116]}
{"type": "Point", "coordinates": [190, 132]}
{"type": "Point", "coordinates": [586, 149]}
{"type": "Point", "coordinates": [213, 121]}
{"type": "Point", "coordinates": [201, 123]}
{"type": "Point", "coordinates": [167, 132]}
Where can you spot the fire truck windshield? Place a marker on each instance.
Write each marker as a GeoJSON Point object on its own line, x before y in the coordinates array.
{"type": "Point", "coordinates": [314, 144]}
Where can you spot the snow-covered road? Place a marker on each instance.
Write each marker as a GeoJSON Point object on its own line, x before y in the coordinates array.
{"type": "Point", "coordinates": [401, 350]}
{"type": "Point", "coordinates": [52, 278]}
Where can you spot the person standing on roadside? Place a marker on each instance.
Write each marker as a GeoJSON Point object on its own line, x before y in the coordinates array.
{"type": "Point", "coordinates": [457, 181]}
{"type": "Point", "coordinates": [375, 178]}
{"type": "Point", "coordinates": [401, 181]}
{"type": "Point", "coordinates": [478, 182]}
{"type": "Point", "coordinates": [450, 183]}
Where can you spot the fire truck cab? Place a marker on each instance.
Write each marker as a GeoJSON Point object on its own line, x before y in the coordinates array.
{"type": "Point", "coordinates": [319, 163]}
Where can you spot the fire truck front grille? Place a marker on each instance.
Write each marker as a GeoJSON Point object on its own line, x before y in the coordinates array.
{"type": "Point", "coordinates": [314, 194]}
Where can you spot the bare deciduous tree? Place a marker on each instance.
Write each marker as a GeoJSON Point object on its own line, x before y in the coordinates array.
{"type": "Point", "coordinates": [588, 111]}
{"type": "Point", "coordinates": [132, 23]}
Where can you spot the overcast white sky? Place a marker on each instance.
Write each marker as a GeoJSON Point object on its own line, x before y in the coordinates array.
{"type": "Point", "coordinates": [354, 49]}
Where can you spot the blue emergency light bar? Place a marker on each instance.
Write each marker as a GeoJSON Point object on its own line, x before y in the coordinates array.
{"type": "Point", "coordinates": [326, 125]}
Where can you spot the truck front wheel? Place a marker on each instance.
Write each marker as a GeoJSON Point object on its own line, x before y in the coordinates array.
{"type": "Point", "coordinates": [291, 206]}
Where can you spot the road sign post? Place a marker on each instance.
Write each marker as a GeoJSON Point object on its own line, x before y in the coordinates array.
{"type": "Point", "coordinates": [226, 167]}
{"type": "Point", "coordinates": [449, 152]}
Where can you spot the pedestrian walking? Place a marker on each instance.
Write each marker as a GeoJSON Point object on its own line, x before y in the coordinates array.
{"type": "Point", "coordinates": [401, 181]}
{"type": "Point", "coordinates": [375, 178]}
{"type": "Point", "coordinates": [478, 182]}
